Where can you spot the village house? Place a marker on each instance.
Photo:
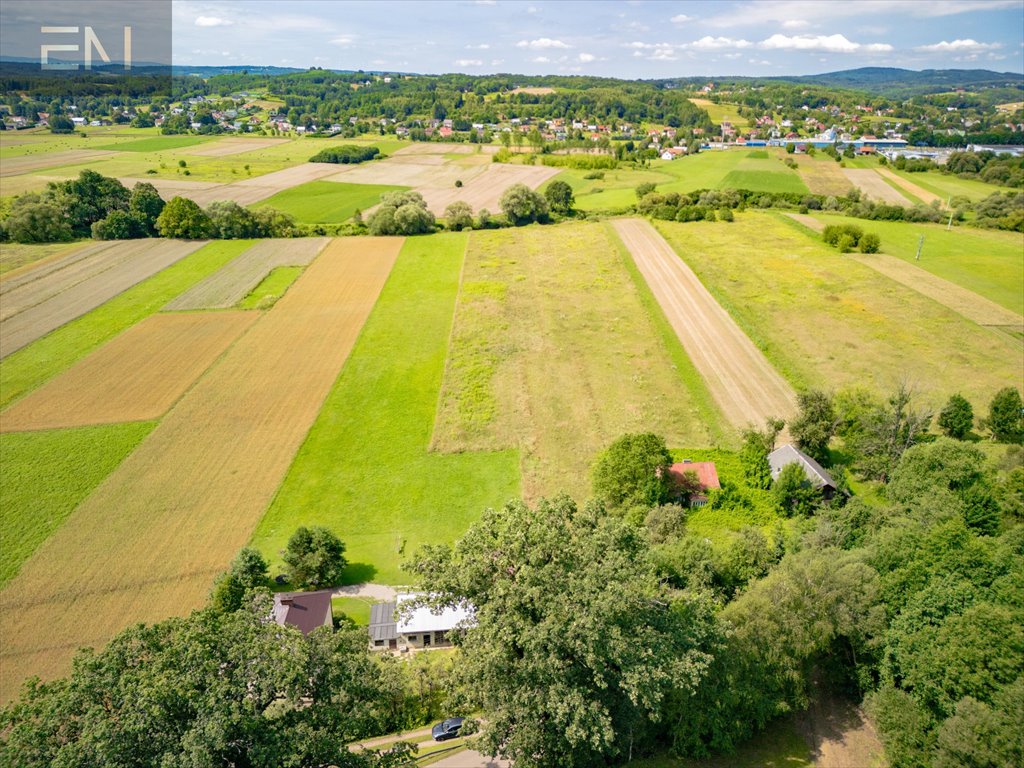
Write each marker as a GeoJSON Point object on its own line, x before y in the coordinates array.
{"type": "Point", "coordinates": [707, 475]}
{"type": "Point", "coordinates": [816, 475]}
{"type": "Point", "coordinates": [305, 610]}
{"type": "Point", "coordinates": [401, 630]}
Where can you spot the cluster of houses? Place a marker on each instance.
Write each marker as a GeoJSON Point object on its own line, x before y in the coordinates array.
{"type": "Point", "coordinates": [401, 626]}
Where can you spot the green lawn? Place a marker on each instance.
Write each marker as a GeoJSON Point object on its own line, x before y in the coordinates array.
{"type": "Point", "coordinates": [30, 366]}
{"type": "Point", "coordinates": [355, 608]}
{"type": "Point", "coordinates": [156, 143]}
{"type": "Point", "coordinates": [946, 186]}
{"type": "Point", "coordinates": [365, 469]}
{"type": "Point", "coordinates": [271, 288]}
{"type": "Point", "coordinates": [327, 202]}
{"type": "Point", "coordinates": [764, 181]}
{"type": "Point", "coordinates": [988, 262]}
{"type": "Point", "coordinates": [46, 474]}
{"type": "Point", "coordinates": [830, 322]}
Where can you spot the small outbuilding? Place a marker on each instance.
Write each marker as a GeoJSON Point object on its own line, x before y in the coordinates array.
{"type": "Point", "coordinates": [706, 473]}
{"type": "Point", "coordinates": [305, 610]}
{"type": "Point", "coordinates": [816, 474]}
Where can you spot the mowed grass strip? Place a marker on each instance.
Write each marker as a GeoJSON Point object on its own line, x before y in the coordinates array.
{"type": "Point", "coordinates": [554, 353]}
{"type": "Point", "coordinates": [827, 321]}
{"type": "Point", "coordinates": [235, 280]}
{"type": "Point", "coordinates": [366, 470]}
{"type": "Point", "coordinates": [147, 543]}
{"type": "Point", "coordinates": [328, 202]}
{"type": "Point", "coordinates": [46, 474]}
{"type": "Point", "coordinates": [271, 288]}
{"type": "Point", "coordinates": [27, 368]}
{"type": "Point", "coordinates": [135, 376]}
{"type": "Point", "coordinates": [987, 262]}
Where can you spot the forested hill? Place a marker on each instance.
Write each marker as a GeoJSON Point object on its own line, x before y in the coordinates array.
{"type": "Point", "coordinates": [899, 82]}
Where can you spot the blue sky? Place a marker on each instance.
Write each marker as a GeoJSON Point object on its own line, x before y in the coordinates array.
{"type": "Point", "coordinates": [628, 39]}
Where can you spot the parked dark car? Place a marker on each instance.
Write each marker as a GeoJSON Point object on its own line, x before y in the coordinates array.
{"type": "Point", "coordinates": [448, 729]}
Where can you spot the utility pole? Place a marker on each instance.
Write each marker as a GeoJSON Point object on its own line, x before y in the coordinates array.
{"type": "Point", "coordinates": [920, 245]}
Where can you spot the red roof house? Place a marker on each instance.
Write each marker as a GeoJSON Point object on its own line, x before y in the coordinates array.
{"type": "Point", "coordinates": [706, 473]}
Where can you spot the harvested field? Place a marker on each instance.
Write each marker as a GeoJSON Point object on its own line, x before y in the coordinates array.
{"type": "Point", "coordinates": [874, 186]}
{"type": "Point", "coordinates": [234, 281]}
{"type": "Point", "coordinates": [14, 166]}
{"type": "Point", "coordinates": [484, 189]}
{"type": "Point", "coordinates": [746, 387]}
{"type": "Point", "coordinates": [169, 188]}
{"type": "Point", "coordinates": [431, 148]}
{"type": "Point", "coordinates": [19, 261]}
{"type": "Point", "coordinates": [919, 192]}
{"type": "Point", "coordinates": [124, 264]}
{"type": "Point", "coordinates": [148, 542]}
{"type": "Point", "coordinates": [960, 300]}
{"type": "Point", "coordinates": [557, 384]}
{"type": "Point", "coordinates": [136, 376]}
{"type": "Point", "coordinates": [536, 91]}
{"type": "Point", "coordinates": [242, 192]}
{"type": "Point", "coordinates": [418, 172]}
{"type": "Point", "coordinates": [822, 177]}
{"type": "Point", "coordinates": [226, 147]}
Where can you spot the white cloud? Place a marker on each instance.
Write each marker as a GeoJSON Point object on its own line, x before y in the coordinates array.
{"type": "Point", "coordinates": [761, 63]}
{"type": "Point", "coordinates": [681, 18]}
{"type": "Point", "coordinates": [540, 60]}
{"type": "Point", "coordinates": [532, 9]}
{"type": "Point", "coordinates": [830, 43]}
{"type": "Point", "coordinates": [958, 46]}
{"type": "Point", "coordinates": [212, 21]}
{"type": "Point", "coordinates": [541, 43]}
{"type": "Point", "coordinates": [586, 58]}
{"type": "Point", "coordinates": [663, 54]}
{"type": "Point", "coordinates": [497, 62]}
{"type": "Point", "coordinates": [733, 55]}
{"type": "Point", "coordinates": [481, 47]}
{"type": "Point", "coordinates": [468, 63]}
{"type": "Point", "coordinates": [795, 24]}
{"type": "Point", "coordinates": [754, 12]}
{"type": "Point", "coordinates": [342, 40]}
{"type": "Point", "coordinates": [708, 43]}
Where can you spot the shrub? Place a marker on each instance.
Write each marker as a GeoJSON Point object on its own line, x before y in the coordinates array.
{"type": "Point", "coordinates": [870, 243]}
{"type": "Point", "coordinates": [458, 183]}
{"type": "Point", "coordinates": [846, 244]}
{"type": "Point", "coordinates": [594, 175]}
{"type": "Point", "coordinates": [956, 417]}
{"type": "Point", "coordinates": [521, 205]}
{"type": "Point", "coordinates": [559, 196]}
{"type": "Point", "coordinates": [36, 222]}
{"type": "Point", "coordinates": [833, 233]}
{"type": "Point", "coordinates": [725, 214]}
{"type": "Point", "coordinates": [119, 225]}
{"type": "Point", "coordinates": [642, 190]}
{"type": "Point", "coordinates": [401, 213]}
{"type": "Point", "coordinates": [1006, 416]}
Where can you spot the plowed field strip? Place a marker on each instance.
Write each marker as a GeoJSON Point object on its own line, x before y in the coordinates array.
{"type": "Point", "coordinates": [147, 542]}
{"type": "Point", "coordinates": [235, 280]}
{"type": "Point", "coordinates": [134, 377]}
{"type": "Point", "coordinates": [235, 146]}
{"type": "Point", "coordinates": [960, 300]}
{"type": "Point", "coordinates": [13, 166]}
{"type": "Point", "coordinates": [40, 319]}
{"type": "Point", "coordinates": [920, 193]}
{"type": "Point", "coordinates": [874, 186]}
{"type": "Point", "coordinates": [745, 386]}
{"type": "Point", "coordinates": [47, 265]}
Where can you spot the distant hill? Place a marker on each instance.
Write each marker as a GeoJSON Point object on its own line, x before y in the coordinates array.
{"type": "Point", "coordinates": [890, 80]}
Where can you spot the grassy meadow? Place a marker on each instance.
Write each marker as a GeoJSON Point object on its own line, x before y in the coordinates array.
{"type": "Point", "coordinates": [988, 262]}
{"type": "Point", "coordinates": [554, 353]}
{"type": "Point", "coordinates": [29, 367]}
{"type": "Point", "coordinates": [271, 288]}
{"type": "Point", "coordinates": [720, 112]}
{"type": "Point", "coordinates": [46, 474]}
{"type": "Point", "coordinates": [327, 202]}
{"type": "Point", "coordinates": [14, 256]}
{"type": "Point", "coordinates": [365, 469]}
{"type": "Point", "coordinates": [830, 322]}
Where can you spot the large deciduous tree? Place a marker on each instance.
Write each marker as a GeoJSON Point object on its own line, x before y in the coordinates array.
{"type": "Point", "coordinates": [957, 417]}
{"type": "Point", "coordinates": [1006, 416]}
{"type": "Point", "coordinates": [633, 470]}
{"type": "Point", "coordinates": [315, 556]}
{"type": "Point", "coordinates": [815, 424]}
{"type": "Point", "coordinates": [575, 643]}
{"type": "Point", "coordinates": [521, 205]}
{"type": "Point", "coordinates": [182, 218]}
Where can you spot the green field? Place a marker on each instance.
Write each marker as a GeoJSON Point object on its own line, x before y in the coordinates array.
{"type": "Point", "coordinates": [156, 144]}
{"type": "Point", "coordinates": [365, 469]}
{"type": "Point", "coordinates": [29, 367]}
{"type": "Point", "coordinates": [525, 371]}
{"type": "Point", "coordinates": [946, 186]}
{"type": "Point", "coordinates": [271, 288]}
{"type": "Point", "coordinates": [988, 262]}
{"type": "Point", "coordinates": [327, 202]}
{"type": "Point", "coordinates": [831, 322]}
{"type": "Point", "coordinates": [720, 112]}
{"type": "Point", "coordinates": [46, 474]}
{"type": "Point", "coordinates": [355, 608]}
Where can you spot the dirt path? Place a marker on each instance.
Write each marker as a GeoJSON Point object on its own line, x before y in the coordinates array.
{"type": "Point", "coordinates": [147, 543]}
{"type": "Point", "coordinates": [808, 221]}
{"type": "Point", "coordinates": [46, 304]}
{"type": "Point", "coordinates": [746, 387]}
{"type": "Point", "coordinates": [380, 592]}
{"type": "Point", "coordinates": [874, 186]}
{"type": "Point", "coordinates": [839, 734]}
{"type": "Point", "coordinates": [920, 193]}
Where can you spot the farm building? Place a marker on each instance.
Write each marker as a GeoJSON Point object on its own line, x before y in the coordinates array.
{"type": "Point", "coordinates": [305, 610]}
{"type": "Point", "coordinates": [706, 473]}
{"type": "Point", "coordinates": [394, 629]}
{"type": "Point", "coordinates": [817, 475]}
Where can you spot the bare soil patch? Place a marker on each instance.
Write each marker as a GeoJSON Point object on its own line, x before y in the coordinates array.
{"type": "Point", "coordinates": [225, 147]}
{"type": "Point", "coordinates": [920, 193]}
{"type": "Point", "coordinates": [808, 221]}
{"type": "Point", "coordinates": [169, 188]}
{"type": "Point", "coordinates": [233, 282]}
{"type": "Point", "coordinates": [124, 264]}
{"type": "Point", "coordinates": [839, 734]}
{"type": "Point", "coordinates": [743, 383]}
{"type": "Point", "coordinates": [960, 300]}
{"type": "Point", "coordinates": [150, 539]}
{"type": "Point", "coordinates": [536, 91]}
{"type": "Point", "coordinates": [14, 166]}
{"type": "Point", "coordinates": [874, 186]}
{"type": "Point", "coordinates": [136, 376]}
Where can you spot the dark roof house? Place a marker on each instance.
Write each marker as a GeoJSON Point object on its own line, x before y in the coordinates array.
{"type": "Point", "coordinates": [305, 610]}
{"type": "Point", "coordinates": [816, 474]}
